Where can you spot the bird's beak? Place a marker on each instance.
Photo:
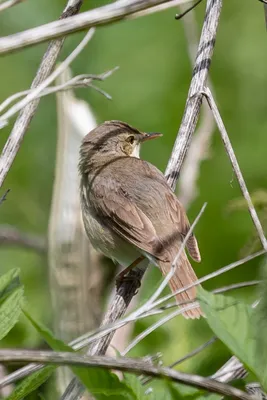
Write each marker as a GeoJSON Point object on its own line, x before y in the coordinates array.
{"type": "Point", "coordinates": [149, 136]}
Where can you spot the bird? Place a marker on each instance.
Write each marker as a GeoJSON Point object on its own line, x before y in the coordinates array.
{"type": "Point", "coordinates": [128, 209]}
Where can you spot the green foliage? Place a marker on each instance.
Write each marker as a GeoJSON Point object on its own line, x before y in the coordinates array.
{"type": "Point", "coordinates": [101, 383]}
{"type": "Point", "coordinates": [233, 322]}
{"type": "Point", "coordinates": [31, 383]}
{"type": "Point", "coordinates": [11, 301]}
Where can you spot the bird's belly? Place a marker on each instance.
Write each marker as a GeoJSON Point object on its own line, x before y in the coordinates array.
{"type": "Point", "coordinates": [108, 242]}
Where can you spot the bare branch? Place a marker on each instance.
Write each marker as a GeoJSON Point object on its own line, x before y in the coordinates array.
{"type": "Point", "coordinates": [9, 3]}
{"type": "Point", "coordinates": [35, 93]}
{"type": "Point", "coordinates": [3, 198]}
{"type": "Point", "coordinates": [79, 81]}
{"type": "Point", "coordinates": [122, 364]}
{"type": "Point", "coordinates": [199, 147]}
{"type": "Point", "coordinates": [5, 391]}
{"type": "Point", "coordinates": [24, 119]}
{"type": "Point", "coordinates": [194, 352]}
{"type": "Point", "coordinates": [97, 17]}
{"type": "Point", "coordinates": [166, 280]}
{"type": "Point", "coordinates": [200, 73]}
{"type": "Point", "coordinates": [11, 236]}
{"type": "Point", "coordinates": [88, 338]}
{"type": "Point", "coordinates": [235, 165]}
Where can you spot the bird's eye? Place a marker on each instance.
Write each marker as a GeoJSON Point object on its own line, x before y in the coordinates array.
{"type": "Point", "coordinates": [130, 139]}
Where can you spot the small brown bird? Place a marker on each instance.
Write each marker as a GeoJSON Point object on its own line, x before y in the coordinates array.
{"type": "Point", "coordinates": [129, 209]}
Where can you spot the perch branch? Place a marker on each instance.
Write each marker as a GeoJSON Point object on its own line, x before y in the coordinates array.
{"type": "Point", "coordinates": [24, 119]}
{"type": "Point", "coordinates": [123, 364]}
{"type": "Point", "coordinates": [99, 16]}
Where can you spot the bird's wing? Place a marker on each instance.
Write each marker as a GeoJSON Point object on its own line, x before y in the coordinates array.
{"type": "Point", "coordinates": [174, 210]}
{"type": "Point", "coordinates": [178, 216]}
{"type": "Point", "coordinates": [129, 205]}
{"type": "Point", "coordinates": [124, 217]}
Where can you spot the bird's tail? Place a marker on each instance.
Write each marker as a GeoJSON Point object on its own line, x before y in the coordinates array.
{"type": "Point", "coordinates": [184, 275]}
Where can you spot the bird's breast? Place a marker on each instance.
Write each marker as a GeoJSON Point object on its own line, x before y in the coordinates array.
{"type": "Point", "coordinates": [105, 240]}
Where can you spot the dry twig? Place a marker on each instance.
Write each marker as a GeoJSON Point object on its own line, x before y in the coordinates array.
{"type": "Point", "coordinates": [199, 147]}
{"type": "Point", "coordinates": [35, 93]}
{"type": "Point", "coordinates": [8, 4]}
{"type": "Point", "coordinates": [24, 119]}
{"type": "Point", "coordinates": [122, 364]}
{"type": "Point", "coordinates": [97, 17]}
{"type": "Point", "coordinates": [79, 81]}
{"type": "Point", "coordinates": [88, 338]}
{"type": "Point", "coordinates": [235, 165]}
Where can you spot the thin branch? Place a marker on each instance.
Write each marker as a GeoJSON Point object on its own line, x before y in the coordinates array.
{"type": "Point", "coordinates": [193, 104]}
{"type": "Point", "coordinates": [79, 81]}
{"type": "Point", "coordinates": [211, 276]}
{"type": "Point", "coordinates": [97, 17]}
{"type": "Point", "coordinates": [186, 11]}
{"type": "Point", "coordinates": [35, 93]}
{"type": "Point", "coordinates": [159, 323]}
{"type": "Point", "coordinates": [123, 364]}
{"type": "Point", "coordinates": [9, 3]}
{"type": "Point", "coordinates": [3, 198]}
{"type": "Point", "coordinates": [167, 278]}
{"type": "Point", "coordinates": [5, 391]}
{"type": "Point", "coordinates": [235, 165]}
{"type": "Point", "coordinates": [11, 236]}
{"type": "Point", "coordinates": [231, 370]}
{"type": "Point", "coordinates": [199, 147]}
{"type": "Point", "coordinates": [86, 339]}
{"type": "Point", "coordinates": [24, 119]}
{"type": "Point", "coordinates": [192, 353]}
{"type": "Point", "coordinates": [223, 289]}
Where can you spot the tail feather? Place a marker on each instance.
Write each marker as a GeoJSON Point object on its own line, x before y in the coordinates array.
{"type": "Point", "coordinates": [184, 276]}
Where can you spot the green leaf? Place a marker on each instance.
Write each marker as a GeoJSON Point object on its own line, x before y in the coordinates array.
{"type": "Point", "coordinates": [184, 391]}
{"type": "Point", "coordinates": [11, 301]}
{"type": "Point", "coordinates": [231, 320]}
{"type": "Point", "coordinates": [134, 383]}
{"type": "Point", "coordinates": [100, 382]}
{"type": "Point", "coordinates": [31, 383]}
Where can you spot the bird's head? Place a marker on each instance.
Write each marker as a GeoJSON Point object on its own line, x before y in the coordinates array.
{"type": "Point", "coordinates": [111, 140]}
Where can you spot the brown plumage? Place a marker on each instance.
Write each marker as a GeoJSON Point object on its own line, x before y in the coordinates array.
{"type": "Point", "coordinates": [129, 209]}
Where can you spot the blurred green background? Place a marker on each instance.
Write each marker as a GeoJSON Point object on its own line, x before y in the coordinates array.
{"type": "Point", "coordinates": [149, 91]}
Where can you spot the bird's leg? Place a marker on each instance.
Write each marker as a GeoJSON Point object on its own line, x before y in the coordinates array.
{"type": "Point", "coordinates": [122, 275]}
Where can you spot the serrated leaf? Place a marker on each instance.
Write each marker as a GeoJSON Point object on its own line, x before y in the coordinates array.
{"type": "Point", "coordinates": [230, 320]}
{"type": "Point", "coordinates": [101, 383]}
{"type": "Point", "coordinates": [11, 301]}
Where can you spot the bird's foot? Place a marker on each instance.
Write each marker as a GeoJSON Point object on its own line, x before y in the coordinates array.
{"type": "Point", "coordinates": [124, 277]}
